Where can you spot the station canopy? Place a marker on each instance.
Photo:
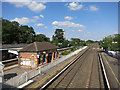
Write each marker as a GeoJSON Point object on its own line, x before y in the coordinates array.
{"type": "Point", "coordinates": [38, 47]}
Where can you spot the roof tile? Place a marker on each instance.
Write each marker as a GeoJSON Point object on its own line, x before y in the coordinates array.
{"type": "Point", "coordinates": [39, 46]}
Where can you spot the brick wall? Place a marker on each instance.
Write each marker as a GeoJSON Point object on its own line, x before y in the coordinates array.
{"type": "Point", "coordinates": [28, 60]}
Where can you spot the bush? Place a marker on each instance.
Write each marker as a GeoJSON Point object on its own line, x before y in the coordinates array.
{"type": "Point", "coordinates": [65, 53]}
{"type": "Point", "coordinates": [73, 49]}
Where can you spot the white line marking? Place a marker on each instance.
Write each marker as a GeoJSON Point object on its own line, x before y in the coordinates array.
{"type": "Point", "coordinates": [108, 85]}
{"type": "Point", "coordinates": [23, 85]}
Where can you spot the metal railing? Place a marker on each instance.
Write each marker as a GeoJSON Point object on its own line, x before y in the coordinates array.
{"type": "Point", "coordinates": [23, 78]}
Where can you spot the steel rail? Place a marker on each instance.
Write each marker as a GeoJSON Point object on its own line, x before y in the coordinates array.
{"type": "Point", "coordinates": [62, 71]}
{"type": "Point", "coordinates": [104, 72]}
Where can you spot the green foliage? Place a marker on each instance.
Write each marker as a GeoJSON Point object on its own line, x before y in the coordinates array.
{"type": "Point", "coordinates": [73, 49]}
{"type": "Point", "coordinates": [59, 40]}
{"type": "Point", "coordinates": [7, 31]}
{"type": "Point", "coordinates": [42, 37]}
{"type": "Point", "coordinates": [14, 33]}
{"type": "Point", "coordinates": [65, 52]}
{"type": "Point", "coordinates": [58, 37]}
{"type": "Point", "coordinates": [111, 42]}
{"type": "Point", "coordinates": [75, 42]}
{"type": "Point", "coordinates": [89, 41]}
{"type": "Point", "coordinates": [26, 34]}
{"type": "Point", "coordinates": [65, 43]}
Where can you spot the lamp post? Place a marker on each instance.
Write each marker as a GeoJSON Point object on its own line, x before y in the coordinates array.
{"type": "Point", "coordinates": [103, 45]}
{"type": "Point", "coordinates": [114, 44]}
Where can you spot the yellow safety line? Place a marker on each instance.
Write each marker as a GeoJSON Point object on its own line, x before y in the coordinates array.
{"type": "Point", "coordinates": [52, 73]}
{"type": "Point", "coordinates": [112, 71]}
{"type": "Point", "coordinates": [10, 67]}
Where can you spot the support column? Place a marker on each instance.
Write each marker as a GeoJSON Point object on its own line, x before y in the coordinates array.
{"type": "Point", "coordinates": [46, 56]}
{"type": "Point", "coordinates": [19, 61]}
{"type": "Point", "coordinates": [38, 60]}
{"type": "Point", "coordinates": [59, 54]}
{"type": "Point", "coordinates": [52, 57]}
{"type": "Point", "coordinates": [56, 55]}
{"type": "Point", "coordinates": [42, 59]}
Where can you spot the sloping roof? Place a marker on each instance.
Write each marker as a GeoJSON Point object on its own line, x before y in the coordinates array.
{"type": "Point", "coordinates": [39, 46]}
{"type": "Point", "coordinates": [13, 45]}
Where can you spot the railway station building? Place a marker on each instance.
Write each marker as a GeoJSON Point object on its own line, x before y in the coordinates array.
{"type": "Point", "coordinates": [37, 53]}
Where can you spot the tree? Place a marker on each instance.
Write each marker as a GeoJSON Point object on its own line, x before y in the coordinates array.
{"type": "Point", "coordinates": [66, 43]}
{"type": "Point", "coordinates": [26, 34]}
{"type": "Point", "coordinates": [110, 42]}
{"type": "Point", "coordinates": [58, 37]}
{"type": "Point", "coordinates": [89, 41]}
{"type": "Point", "coordinates": [82, 43]}
{"type": "Point", "coordinates": [75, 42]}
{"type": "Point", "coordinates": [13, 33]}
{"type": "Point", "coordinates": [9, 31]}
{"type": "Point", "coordinates": [42, 37]}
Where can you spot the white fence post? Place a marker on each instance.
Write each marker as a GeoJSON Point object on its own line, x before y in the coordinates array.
{"type": "Point", "coordinates": [26, 78]}
{"type": "Point", "coordinates": [40, 70]}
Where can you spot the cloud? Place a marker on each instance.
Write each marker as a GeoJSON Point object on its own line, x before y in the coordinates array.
{"type": "Point", "coordinates": [26, 20]}
{"type": "Point", "coordinates": [68, 18]}
{"type": "Point", "coordinates": [32, 5]}
{"type": "Point", "coordinates": [86, 8]}
{"type": "Point", "coordinates": [67, 24]}
{"type": "Point", "coordinates": [45, 27]}
{"type": "Point", "coordinates": [16, 1]}
{"type": "Point", "coordinates": [23, 20]}
{"type": "Point", "coordinates": [36, 17]}
{"type": "Point", "coordinates": [66, 4]}
{"type": "Point", "coordinates": [74, 6]}
{"type": "Point", "coordinates": [55, 27]}
{"type": "Point", "coordinates": [80, 30]}
{"type": "Point", "coordinates": [38, 33]}
{"type": "Point", "coordinates": [93, 8]}
{"type": "Point", "coordinates": [41, 16]}
{"type": "Point", "coordinates": [39, 24]}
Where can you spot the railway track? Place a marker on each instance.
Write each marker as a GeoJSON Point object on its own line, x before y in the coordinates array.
{"type": "Point", "coordinates": [85, 72]}
{"type": "Point", "coordinates": [10, 62]}
{"type": "Point", "coordinates": [66, 78]}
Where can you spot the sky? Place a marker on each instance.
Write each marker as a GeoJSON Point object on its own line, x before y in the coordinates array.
{"type": "Point", "coordinates": [84, 20]}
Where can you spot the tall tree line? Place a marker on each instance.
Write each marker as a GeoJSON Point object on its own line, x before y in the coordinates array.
{"type": "Point", "coordinates": [14, 33]}
{"type": "Point", "coordinates": [59, 40]}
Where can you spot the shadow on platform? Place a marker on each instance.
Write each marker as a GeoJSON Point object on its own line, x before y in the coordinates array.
{"type": "Point", "coordinates": [7, 87]}
{"type": "Point", "coordinates": [8, 76]}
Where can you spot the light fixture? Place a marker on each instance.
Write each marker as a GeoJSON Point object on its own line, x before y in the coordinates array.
{"type": "Point", "coordinates": [44, 52]}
